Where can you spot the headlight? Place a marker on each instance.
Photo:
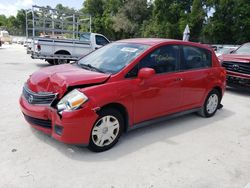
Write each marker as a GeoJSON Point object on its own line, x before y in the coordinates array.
{"type": "Point", "coordinates": [71, 101]}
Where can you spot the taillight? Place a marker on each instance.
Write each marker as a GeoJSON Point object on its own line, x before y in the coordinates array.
{"type": "Point", "coordinates": [223, 73]}
{"type": "Point", "coordinates": [38, 46]}
{"type": "Point", "coordinates": [220, 60]}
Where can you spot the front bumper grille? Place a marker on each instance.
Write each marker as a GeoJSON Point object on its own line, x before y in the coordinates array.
{"type": "Point", "coordinates": [231, 80]}
{"type": "Point", "coordinates": [38, 98]}
{"type": "Point", "coordinates": [237, 67]}
{"type": "Point", "coordinates": [39, 122]}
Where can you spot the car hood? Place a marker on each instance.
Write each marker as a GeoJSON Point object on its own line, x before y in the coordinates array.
{"type": "Point", "coordinates": [235, 58]}
{"type": "Point", "coordinates": [57, 79]}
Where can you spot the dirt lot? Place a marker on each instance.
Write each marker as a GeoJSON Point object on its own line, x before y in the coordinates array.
{"type": "Point", "coordinates": [186, 152]}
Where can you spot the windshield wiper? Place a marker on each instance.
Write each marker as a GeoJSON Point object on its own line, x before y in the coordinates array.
{"type": "Point", "coordinates": [90, 67]}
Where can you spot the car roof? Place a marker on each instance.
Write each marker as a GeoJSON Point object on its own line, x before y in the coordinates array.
{"type": "Point", "coordinates": [147, 41]}
{"type": "Point", "coordinates": [157, 41]}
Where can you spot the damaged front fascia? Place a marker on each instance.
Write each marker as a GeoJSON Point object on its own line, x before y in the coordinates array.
{"type": "Point", "coordinates": [71, 88]}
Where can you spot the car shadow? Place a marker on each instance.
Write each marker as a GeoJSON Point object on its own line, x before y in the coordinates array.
{"type": "Point", "coordinates": [46, 64]}
{"type": "Point", "coordinates": [43, 65]}
{"type": "Point", "coordinates": [138, 139]}
{"type": "Point", "coordinates": [2, 47]}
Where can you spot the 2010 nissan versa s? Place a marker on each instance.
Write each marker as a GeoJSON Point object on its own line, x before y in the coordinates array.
{"type": "Point", "coordinates": [122, 86]}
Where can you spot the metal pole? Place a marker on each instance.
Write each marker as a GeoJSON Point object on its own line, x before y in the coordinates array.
{"type": "Point", "coordinates": [90, 23]}
{"type": "Point", "coordinates": [73, 26]}
{"type": "Point", "coordinates": [62, 27]}
{"type": "Point", "coordinates": [33, 22]}
{"type": "Point", "coordinates": [77, 27]}
{"type": "Point", "coordinates": [44, 22]}
{"type": "Point", "coordinates": [53, 25]}
{"type": "Point", "coordinates": [26, 17]}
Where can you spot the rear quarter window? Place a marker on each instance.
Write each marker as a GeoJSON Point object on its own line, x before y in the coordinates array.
{"type": "Point", "coordinates": [195, 58]}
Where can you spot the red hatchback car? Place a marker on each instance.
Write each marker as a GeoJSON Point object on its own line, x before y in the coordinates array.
{"type": "Point", "coordinates": [122, 86]}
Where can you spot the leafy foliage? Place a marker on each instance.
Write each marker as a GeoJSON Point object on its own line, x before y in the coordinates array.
{"type": "Point", "coordinates": [210, 21]}
{"type": "Point", "coordinates": [230, 22]}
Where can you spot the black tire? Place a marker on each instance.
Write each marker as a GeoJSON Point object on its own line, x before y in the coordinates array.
{"type": "Point", "coordinates": [61, 61]}
{"type": "Point", "coordinates": [204, 111]}
{"type": "Point", "coordinates": [106, 112]}
{"type": "Point", "coordinates": [51, 61]}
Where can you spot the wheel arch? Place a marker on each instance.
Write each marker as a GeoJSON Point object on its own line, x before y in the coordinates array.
{"type": "Point", "coordinates": [122, 109]}
{"type": "Point", "coordinates": [219, 90]}
{"type": "Point", "coordinates": [216, 87]}
{"type": "Point", "coordinates": [63, 52]}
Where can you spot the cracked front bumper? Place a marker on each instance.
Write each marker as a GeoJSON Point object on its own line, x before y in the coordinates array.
{"type": "Point", "coordinates": [71, 127]}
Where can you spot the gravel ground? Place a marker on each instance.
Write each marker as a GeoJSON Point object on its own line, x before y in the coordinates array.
{"type": "Point", "coordinates": [186, 152]}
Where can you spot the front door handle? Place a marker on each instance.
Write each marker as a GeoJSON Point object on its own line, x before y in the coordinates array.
{"type": "Point", "coordinates": [179, 79]}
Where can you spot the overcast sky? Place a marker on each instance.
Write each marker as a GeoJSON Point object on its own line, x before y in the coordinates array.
{"type": "Point", "coordinates": [10, 7]}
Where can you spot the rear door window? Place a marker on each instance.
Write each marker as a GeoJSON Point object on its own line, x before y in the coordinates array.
{"type": "Point", "coordinates": [195, 58]}
{"type": "Point", "coordinates": [100, 40]}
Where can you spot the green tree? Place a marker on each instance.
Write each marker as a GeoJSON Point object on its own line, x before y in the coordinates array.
{"type": "Point", "coordinates": [102, 12]}
{"type": "Point", "coordinates": [111, 7]}
{"type": "Point", "coordinates": [21, 22]}
{"type": "Point", "coordinates": [196, 20]}
{"type": "Point", "coordinates": [12, 25]}
{"type": "Point", "coordinates": [96, 9]}
{"type": "Point", "coordinates": [241, 27]}
{"type": "Point", "coordinates": [230, 22]}
{"type": "Point", "coordinates": [169, 19]}
{"type": "Point", "coordinates": [3, 21]}
{"type": "Point", "coordinates": [219, 27]}
{"type": "Point", "coordinates": [130, 17]}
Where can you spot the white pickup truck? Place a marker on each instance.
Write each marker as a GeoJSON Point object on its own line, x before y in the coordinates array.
{"type": "Point", "coordinates": [60, 51]}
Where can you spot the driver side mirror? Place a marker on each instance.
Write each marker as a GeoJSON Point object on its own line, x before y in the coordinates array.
{"type": "Point", "coordinates": [146, 73]}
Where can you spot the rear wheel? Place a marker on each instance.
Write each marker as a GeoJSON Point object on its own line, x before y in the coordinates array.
{"type": "Point", "coordinates": [51, 61]}
{"type": "Point", "coordinates": [61, 61]}
{"type": "Point", "coordinates": [106, 131]}
{"type": "Point", "coordinates": [211, 104]}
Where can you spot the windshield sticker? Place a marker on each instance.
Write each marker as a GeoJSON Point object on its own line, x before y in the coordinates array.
{"type": "Point", "coordinates": [127, 49]}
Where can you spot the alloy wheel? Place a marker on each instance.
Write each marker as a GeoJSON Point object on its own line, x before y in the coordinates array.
{"type": "Point", "coordinates": [212, 103]}
{"type": "Point", "coordinates": [105, 131]}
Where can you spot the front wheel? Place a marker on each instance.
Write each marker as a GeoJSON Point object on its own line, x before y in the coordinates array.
{"type": "Point", "coordinates": [106, 131]}
{"type": "Point", "coordinates": [211, 104]}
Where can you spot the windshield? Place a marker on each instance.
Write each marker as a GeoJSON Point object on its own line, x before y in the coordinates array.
{"type": "Point", "coordinates": [113, 57]}
{"type": "Point", "coordinates": [244, 49]}
{"type": "Point", "coordinates": [225, 50]}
